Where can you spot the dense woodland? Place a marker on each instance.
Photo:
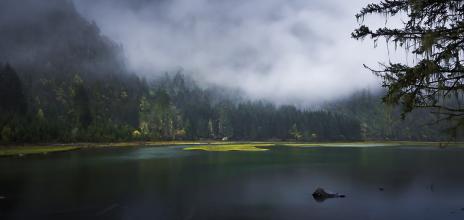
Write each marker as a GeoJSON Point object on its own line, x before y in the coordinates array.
{"type": "Point", "coordinates": [379, 121]}
{"type": "Point", "coordinates": [62, 81]}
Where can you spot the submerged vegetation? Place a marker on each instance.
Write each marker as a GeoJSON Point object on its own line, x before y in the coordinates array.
{"type": "Point", "coordinates": [231, 147]}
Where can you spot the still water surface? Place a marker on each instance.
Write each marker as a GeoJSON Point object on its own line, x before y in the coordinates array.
{"type": "Point", "coordinates": [170, 183]}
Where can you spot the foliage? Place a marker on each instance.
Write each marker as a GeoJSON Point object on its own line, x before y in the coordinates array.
{"type": "Point", "coordinates": [11, 92]}
{"type": "Point", "coordinates": [79, 110]}
{"type": "Point", "coordinates": [380, 121]}
{"type": "Point", "coordinates": [434, 32]}
{"type": "Point", "coordinates": [199, 115]}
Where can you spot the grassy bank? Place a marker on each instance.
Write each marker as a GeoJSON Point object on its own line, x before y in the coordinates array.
{"type": "Point", "coordinates": [26, 150]}
{"type": "Point", "coordinates": [212, 146]}
{"type": "Point", "coordinates": [206, 146]}
{"type": "Point", "coordinates": [22, 150]}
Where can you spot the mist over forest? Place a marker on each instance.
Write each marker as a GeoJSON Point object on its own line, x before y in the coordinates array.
{"type": "Point", "coordinates": [288, 52]}
{"type": "Point", "coordinates": [64, 80]}
{"type": "Point", "coordinates": [231, 109]}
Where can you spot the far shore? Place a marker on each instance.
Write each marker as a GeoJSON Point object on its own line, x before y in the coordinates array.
{"type": "Point", "coordinates": [28, 149]}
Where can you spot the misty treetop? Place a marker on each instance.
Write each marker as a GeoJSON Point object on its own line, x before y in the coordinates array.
{"type": "Point", "coordinates": [115, 109]}
{"type": "Point", "coordinates": [67, 82]}
{"type": "Point", "coordinates": [11, 92]}
{"type": "Point", "coordinates": [380, 121]}
{"type": "Point", "coordinates": [45, 38]}
{"type": "Point", "coordinates": [62, 81]}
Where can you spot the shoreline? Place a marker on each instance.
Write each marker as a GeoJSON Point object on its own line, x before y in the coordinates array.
{"type": "Point", "coordinates": [30, 149]}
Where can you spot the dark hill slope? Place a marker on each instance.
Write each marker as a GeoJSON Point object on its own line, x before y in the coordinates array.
{"type": "Point", "coordinates": [74, 79]}
{"type": "Point", "coordinates": [50, 36]}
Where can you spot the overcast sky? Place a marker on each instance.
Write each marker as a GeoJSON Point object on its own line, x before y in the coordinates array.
{"type": "Point", "coordinates": [287, 51]}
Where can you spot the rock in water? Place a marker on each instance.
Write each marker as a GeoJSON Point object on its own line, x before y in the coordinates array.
{"type": "Point", "coordinates": [320, 195]}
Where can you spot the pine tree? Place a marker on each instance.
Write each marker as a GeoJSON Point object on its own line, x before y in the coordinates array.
{"type": "Point", "coordinates": [434, 33]}
{"type": "Point", "coordinates": [12, 96]}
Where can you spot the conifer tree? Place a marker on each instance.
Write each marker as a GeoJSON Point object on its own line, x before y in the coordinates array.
{"type": "Point", "coordinates": [11, 92]}
{"type": "Point", "coordinates": [433, 32]}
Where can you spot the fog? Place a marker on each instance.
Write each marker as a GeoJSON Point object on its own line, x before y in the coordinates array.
{"type": "Point", "coordinates": [286, 51]}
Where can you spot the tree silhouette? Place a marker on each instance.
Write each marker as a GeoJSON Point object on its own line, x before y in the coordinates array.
{"type": "Point", "coordinates": [11, 92]}
{"type": "Point", "coordinates": [434, 33]}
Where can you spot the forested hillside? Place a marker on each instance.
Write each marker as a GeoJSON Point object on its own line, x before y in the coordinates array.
{"type": "Point", "coordinates": [177, 108]}
{"type": "Point", "coordinates": [63, 81]}
{"type": "Point", "coordinates": [74, 81]}
{"type": "Point", "coordinates": [385, 122]}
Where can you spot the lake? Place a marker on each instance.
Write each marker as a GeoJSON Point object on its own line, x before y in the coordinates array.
{"type": "Point", "coordinates": [380, 182]}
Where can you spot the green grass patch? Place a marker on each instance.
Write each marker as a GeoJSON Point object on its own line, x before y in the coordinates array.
{"type": "Point", "coordinates": [20, 151]}
{"type": "Point", "coordinates": [231, 147]}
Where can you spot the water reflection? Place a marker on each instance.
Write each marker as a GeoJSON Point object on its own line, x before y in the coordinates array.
{"type": "Point", "coordinates": [168, 183]}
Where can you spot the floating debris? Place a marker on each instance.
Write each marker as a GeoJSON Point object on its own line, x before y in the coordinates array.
{"type": "Point", "coordinates": [321, 195]}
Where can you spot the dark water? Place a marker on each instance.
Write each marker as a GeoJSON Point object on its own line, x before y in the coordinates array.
{"type": "Point", "coordinates": [169, 183]}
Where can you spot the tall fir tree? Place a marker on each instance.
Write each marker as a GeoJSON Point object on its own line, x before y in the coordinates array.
{"type": "Point", "coordinates": [433, 31]}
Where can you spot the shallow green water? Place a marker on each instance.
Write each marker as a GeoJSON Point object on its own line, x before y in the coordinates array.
{"type": "Point", "coordinates": [170, 183]}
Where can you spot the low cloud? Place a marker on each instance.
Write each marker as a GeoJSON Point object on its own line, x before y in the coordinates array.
{"type": "Point", "coordinates": [286, 51]}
